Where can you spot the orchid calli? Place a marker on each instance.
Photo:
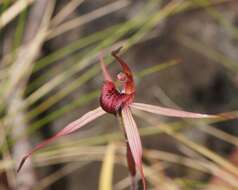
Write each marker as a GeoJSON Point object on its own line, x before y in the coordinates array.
{"type": "Point", "coordinates": [121, 104]}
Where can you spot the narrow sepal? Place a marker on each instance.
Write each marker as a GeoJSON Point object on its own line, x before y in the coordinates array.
{"type": "Point", "coordinates": [72, 127]}
{"type": "Point", "coordinates": [106, 74]}
{"type": "Point", "coordinates": [134, 141]}
{"type": "Point", "coordinates": [169, 112]}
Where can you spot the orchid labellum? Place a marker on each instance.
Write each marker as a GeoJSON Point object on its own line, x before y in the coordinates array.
{"type": "Point", "coordinates": [119, 103]}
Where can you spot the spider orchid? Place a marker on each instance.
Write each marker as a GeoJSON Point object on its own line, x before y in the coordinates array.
{"type": "Point", "coordinates": [119, 103]}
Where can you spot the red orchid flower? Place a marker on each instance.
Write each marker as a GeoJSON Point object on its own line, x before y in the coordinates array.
{"type": "Point", "coordinates": [119, 103]}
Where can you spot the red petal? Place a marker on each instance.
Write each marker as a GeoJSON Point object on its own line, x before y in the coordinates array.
{"type": "Point", "coordinates": [72, 127]}
{"type": "Point", "coordinates": [129, 84]}
{"type": "Point", "coordinates": [169, 112]}
{"type": "Point", "coordinates": [106, 75]}
{"type": "Point", "coordinates": [134, 141]}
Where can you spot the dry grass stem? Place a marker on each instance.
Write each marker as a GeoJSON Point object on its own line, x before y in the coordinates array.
{"type": "Point", "coordinates": [76, 22]}
{"type": "Point", "coordinates": [65, 12]}
{"type": "Point", "coordinates": [13, 11]}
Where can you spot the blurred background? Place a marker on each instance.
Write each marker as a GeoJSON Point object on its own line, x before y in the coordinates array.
{"type": "Point", "coordinates": [184, 54]}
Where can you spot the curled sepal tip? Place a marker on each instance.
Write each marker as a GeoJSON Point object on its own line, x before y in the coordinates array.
{"type": "Point", "coordinates": [22, 162]}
